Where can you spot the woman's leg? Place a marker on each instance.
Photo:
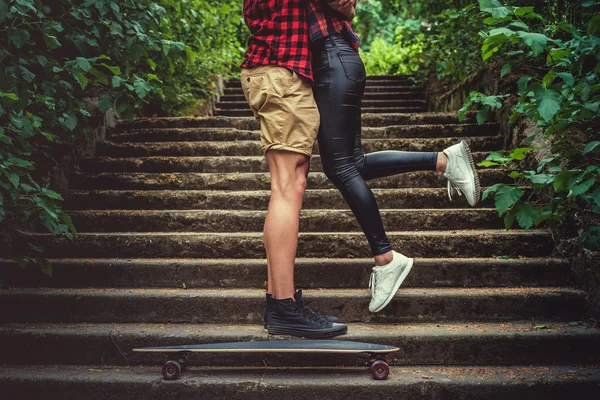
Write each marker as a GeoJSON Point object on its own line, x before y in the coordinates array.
{"type": "Point", "coordinates": [339, 87]}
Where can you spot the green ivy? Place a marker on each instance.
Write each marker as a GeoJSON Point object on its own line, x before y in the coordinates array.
{"type": "Point", "coordinates": [124, 54]}
{"type": "Point", "coordinates": [561, 94]}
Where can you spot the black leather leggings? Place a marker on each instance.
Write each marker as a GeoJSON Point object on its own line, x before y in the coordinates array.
{"type": "Point", "coordinates": [339, 86]}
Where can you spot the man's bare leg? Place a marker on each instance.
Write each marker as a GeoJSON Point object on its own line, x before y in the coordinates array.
{"type": "Point", "coordinates": [288, 183]}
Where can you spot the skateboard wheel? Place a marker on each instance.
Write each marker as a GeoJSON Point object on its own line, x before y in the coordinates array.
{"type": "Point", "coordinates": [171, 370]}
{"type": "Point", "coordinates": [380, 370]}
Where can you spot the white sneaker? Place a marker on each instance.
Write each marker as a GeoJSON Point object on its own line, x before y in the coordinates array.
{"type": "Point", "coordinates": [386, 280]}
{"type": "Point", "coordinates": [461, 173]}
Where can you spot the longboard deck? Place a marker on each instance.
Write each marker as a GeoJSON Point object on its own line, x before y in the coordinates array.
{"type": "Point", "coordinates": [276, 346]}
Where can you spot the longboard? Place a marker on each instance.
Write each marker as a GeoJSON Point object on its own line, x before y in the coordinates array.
{"type": "Point", "coordinates": [178, 354]}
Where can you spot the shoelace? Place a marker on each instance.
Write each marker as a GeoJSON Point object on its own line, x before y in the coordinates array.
{"type": "Point", "coordinates": [372, 285]}
{"type": "Point", "coordinates": [311, 315]}
{"type": "Point", "coordinates": [453, 188]}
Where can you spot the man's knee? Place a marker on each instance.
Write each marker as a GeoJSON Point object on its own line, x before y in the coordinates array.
{"type": "Point", "coordinates": [288, 174]}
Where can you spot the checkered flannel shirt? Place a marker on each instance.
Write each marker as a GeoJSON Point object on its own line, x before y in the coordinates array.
{"type": "Point", "coordinates": [279, 31]}
{"type": "Point", "coordinates": [324, 21]}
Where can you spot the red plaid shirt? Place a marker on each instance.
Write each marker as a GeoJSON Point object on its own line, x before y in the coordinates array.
{"type": "Point", "coordinates": [279, 31]}
{"type": "Point", "coordinates": [324, 21]}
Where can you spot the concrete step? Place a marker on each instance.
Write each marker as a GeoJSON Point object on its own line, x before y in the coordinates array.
{"type": "Point", "coordinates": [408, 95]}
{"type": "Point", "coordinates": [253, 221]}
{"type": "Point", "coordinates": [250, 123]}
{"type": "Point", "coordinates": [251, 200]}
{"type": "Point", "coordinates": [235, 306]}
{"type": "Point", "coordinates": [245, 112]}
{"type": "Point", "coordinates": [476, 243]}
{"type": "Point", "coordinates": [371, 81]}
{"type": "Point", "coordinates": [252, 147]}
{"type": "Point", "coordinates": [386, 103]}
{"type": "Point", "coordinates": [255, 181]}
{"type": "Point", "coordinates": [308, 273]}
{"type": "Point", "coordinates": [231, 134]}
{"type": "Point", "coordinates": [195, 164]}
{"type": "Point", "coordinates": [464, 343]}
{"type": "Point", "coordinates": [414, 382]}
{"type": "Point", "coordinates": [375, 87]}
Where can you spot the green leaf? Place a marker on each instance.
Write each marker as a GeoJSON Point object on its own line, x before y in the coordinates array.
{"type": "Point", "coordinates": [493, 7]}
{"type": "Point", "coordinates": [526, 214]}
{"type": "Point", "coordinates": [582, 187]}
{"type": "Point", "coordinates": [486, 163]}
{"type": "Point", "coordinates": [509, 219]}
{"type": "Point", "coordinates": [11, 96]}
{"type": "Point", "coordinates": [22, 262]}
{"type": "Point", "coordinates": [66, 219]}
{"type": "Point", "coordinates": [105, 102]}
{"type": "Point", "coordinates": [18, 36]}
{"type": "Point", "coordinates": [100, 76]}
{"type": "Point", "coordinates": [520, 152]}
{"type": "Point", "coordinates": [81, 78]}
{"type": "Point", "coordinates": [515, 175]}
{"type": "Point", "coordinates": [506, 196]}
{"type": "Point", "coordinates": [591, 146]}
{"type": "Point", "coordinates": [541, 179]}
{"type": "Point", "coordinates": [549, 102]}
{"type": "Point", "coordinates": [3, 10]}
{"type": "Point", "coordinates": [37, 249]}
{"type": "Point", "coordinates": [522, 84]}
{"type": "Point", "coordinates": [536, 41]}
{"type": "Point", "coordinates": [45, 266]}
{"type": "Point", "coordinates": [51, 41]}
{"type": "Point", "coordinates": [506, 68]}
{"type": "Point", "coordinates": [562, 178]}
{"type": "Point", "coordinates": [111, 68]}
{"type": "Point", "coordinates": [51, 194]}
{"type": "Point", "coordinates": [491, 189]}
{"type": "Point", "coordinates": [594, 25]}
{"type": "Point", "coordinates": [70, 121]}
{"type": "Point", "coordinates": [47, 205]}
{"type": "Point", "coordinates": [567, 78]}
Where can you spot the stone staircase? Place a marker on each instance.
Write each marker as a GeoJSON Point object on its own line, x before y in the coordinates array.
{"type": "Point", "coordinates": [170, 251]}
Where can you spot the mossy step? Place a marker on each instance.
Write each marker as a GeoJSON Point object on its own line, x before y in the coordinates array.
{"type": "Point", "coordinates": [243, 105]}
{"type": "Point", "coordinates": [232, 134]}
{"type": "Point", "coordinates": [251, 200]}
{"type": "Point", "coordinates": [253, 221]}
{"type": "Point", "coordinates": [246, 112]}
{"type": "Point", "coordinates": [462, 243]}
{"type": "Point", "coordinates": [234, 306]}
{"type": "Point", "coordinates": [374, 87]}
{"type": "Point", "coordinates": [250, 123]}
{"type": "Point", "coordinates": [252, 147]}
{"type": "Point", "coordinates": [256, 180]}
{"type": "Point", "coordinates": [464, 343]}
{"type": "Point", "coordinates": [195, 164]}
{"type": "Point", "coordinates": [408, 382]}
{"type": "Point", "coordinates": [409, 95]}
{"type": "Point", "coordinates": [308, 273]}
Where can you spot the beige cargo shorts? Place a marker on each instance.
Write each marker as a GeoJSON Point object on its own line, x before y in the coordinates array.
{"type": "Point", "coordinates": [283, 102]}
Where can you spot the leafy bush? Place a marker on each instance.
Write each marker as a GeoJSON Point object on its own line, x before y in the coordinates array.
{"type": "Point", "coordinates": [396, 58]}
{"type": "Point", "coordinates": [214, 36]}
{"type": "Point", "coordinates": [561, 94]}
{"type": "Point", "coordinates": [55, 54]}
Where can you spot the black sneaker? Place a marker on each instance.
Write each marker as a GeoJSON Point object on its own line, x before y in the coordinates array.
{"type": "Point", "coordinates": [270, 301]}
{"type": "Point", "coordinates": [287, 317]}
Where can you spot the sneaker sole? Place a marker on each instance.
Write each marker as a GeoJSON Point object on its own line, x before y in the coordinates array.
{"type": "Point", "coordinates": [464, 147]}
{"type": "Point", "coordinates": [321, 334]}
{"type": "Point", "coordinates": [401, 279]}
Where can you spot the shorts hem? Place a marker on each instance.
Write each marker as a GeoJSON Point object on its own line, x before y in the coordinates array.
{"type": "Point", "coordinates": [286, 147]}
